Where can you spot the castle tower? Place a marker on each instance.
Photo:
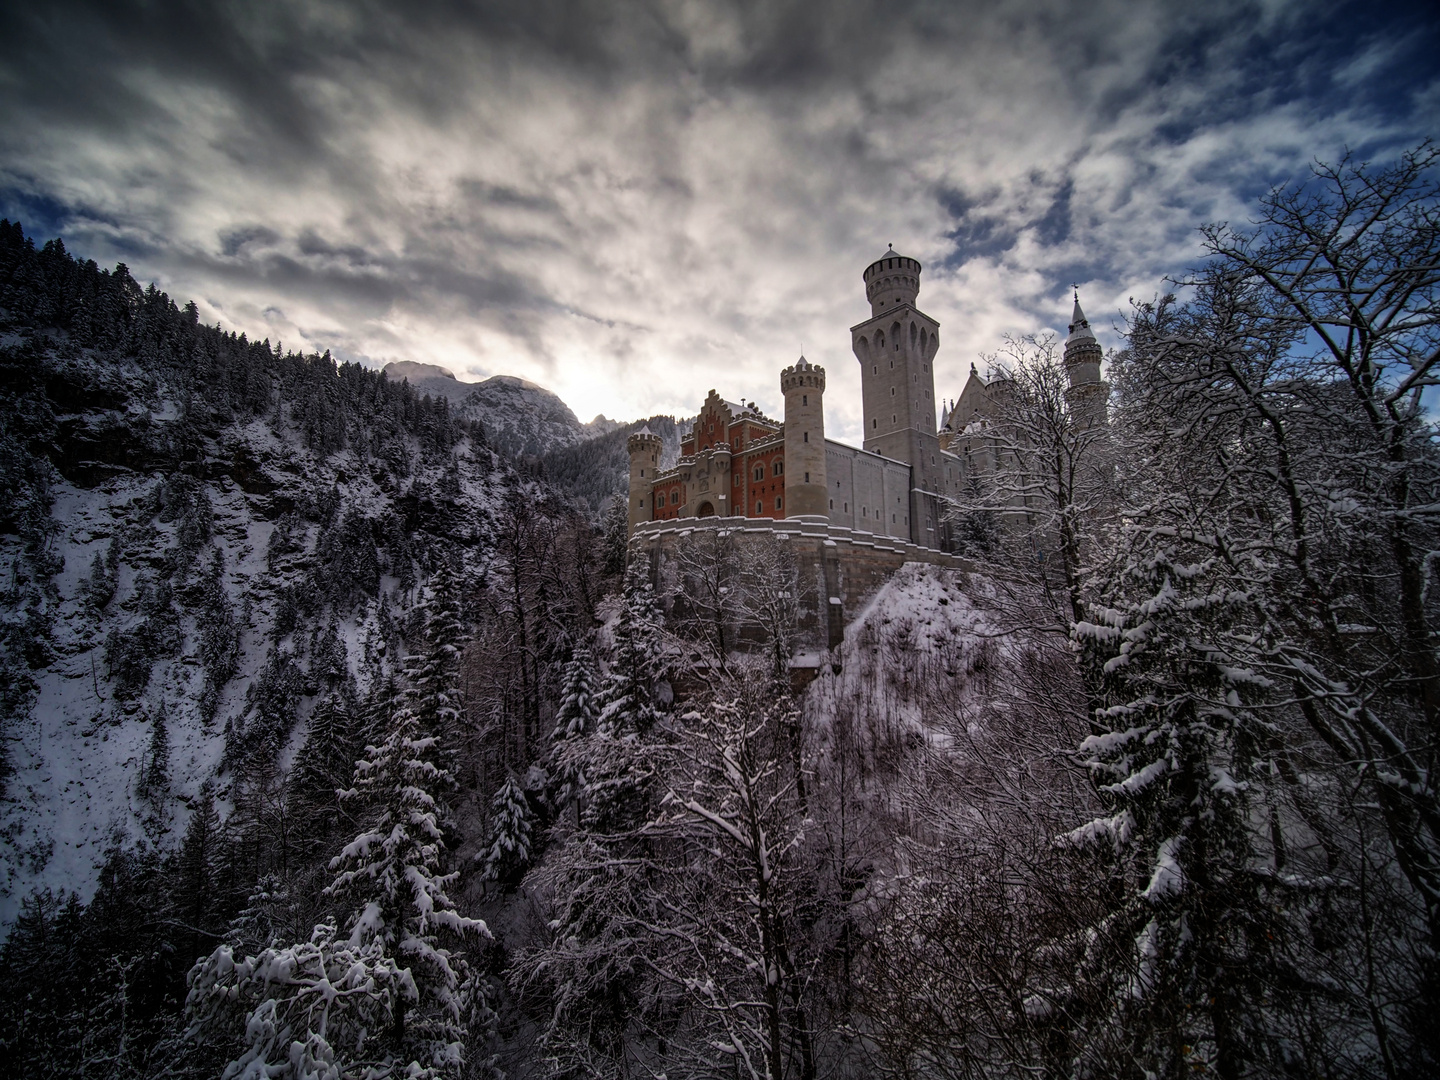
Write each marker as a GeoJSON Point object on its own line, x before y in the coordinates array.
{"type": "Point", "coordinates": [1087, 394]}
{"type": "Point", "coordinates": [804, 387]}
{"type": "Point", "coordinates": [644, 447]}
{"type": "Point", "coordinates": [896, 348]}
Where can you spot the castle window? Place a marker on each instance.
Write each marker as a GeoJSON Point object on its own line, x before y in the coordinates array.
{"type": "Point", "coordinates": [892, 519]}
{"type": "Point", "coordinates": [804, 399]}
{"type": "Point", "coordinates": [832, 504]}
{"type": "Point", "coordinates": [892, 366]}
{"type": "Point", "coordinates": [892, 419]}
{"type": "Point", "coordinates": [864, 511]}
{"type": "Point", "coordinates": [759, 507]}
{"type": "Point", "coordinates": [807, 436]}
{"type": "Point", "coordinates": [779, 468]}
{"type": "Point", "coordinates": [847, 508]}
{"type": "Point", "coordinates": [892, 389]}
{"type": "Point", "coordinates": [760, 472]}
{"type": "Point", "coordinates": [807, 478]}
{"type": "Point", "coordinates": [874, 423]}
{"type": "Point", "coordinates": [778, 499]}
{"type": "Point", "coordinates": [642, 472]}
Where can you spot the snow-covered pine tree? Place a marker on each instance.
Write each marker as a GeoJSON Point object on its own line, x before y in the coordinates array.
{"type": "Point", "coordinates": [254, 928]}
{"type": "Point", "coordinates": [329, 660]}
{"type": "Point", "coordinates": [388, 1000]}
{"type": "Point", "coordinates": [574, 720]}
{"type": "Point", "coordinates": [616, 536]}
{"type": "Point", "coordinates": [508, 855]}
{"type": "Point", "coordinates": [576, 715]}
{"type": "Point", "coordinates": [1176, 771]}
{"type": "Point", "coordinates": [626, 700]}
{"type": "Point", "coordinates": [433, 691]}
{"type": "Point", "coordinates": [99, 587]}
{"type": "Point", "coordinates": [612, 758]}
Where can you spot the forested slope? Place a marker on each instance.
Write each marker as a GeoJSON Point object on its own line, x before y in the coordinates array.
{"type": "Point", "coordinates": [215, 555]}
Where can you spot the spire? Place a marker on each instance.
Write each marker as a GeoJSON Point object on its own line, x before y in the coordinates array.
{"type": "Point", "coordinates": [1079, 325]}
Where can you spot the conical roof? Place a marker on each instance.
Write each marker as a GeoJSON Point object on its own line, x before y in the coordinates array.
{"type": "Point", "coordinates": [1079, 325]}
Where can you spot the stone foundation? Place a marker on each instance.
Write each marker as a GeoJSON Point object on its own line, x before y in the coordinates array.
{"type": "Point", "coordinates": [838, 569]}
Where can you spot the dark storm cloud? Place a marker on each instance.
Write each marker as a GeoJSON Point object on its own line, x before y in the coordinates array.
{"type": "Point", "coordinates": [635, 201]}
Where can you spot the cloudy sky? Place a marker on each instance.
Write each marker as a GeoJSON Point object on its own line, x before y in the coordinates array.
{"type": "Point", "coordinates": [631, 203]}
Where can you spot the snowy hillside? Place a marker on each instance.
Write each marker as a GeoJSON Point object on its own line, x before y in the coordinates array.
{"type": "Point", "coordinates": [293, 535]}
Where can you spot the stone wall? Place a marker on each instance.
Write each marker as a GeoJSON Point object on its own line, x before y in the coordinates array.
{"type": "Point", "coordinates": [838, 568]}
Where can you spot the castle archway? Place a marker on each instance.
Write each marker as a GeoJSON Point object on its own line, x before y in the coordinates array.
{"type": "Point", "coordinates": [706, 510]}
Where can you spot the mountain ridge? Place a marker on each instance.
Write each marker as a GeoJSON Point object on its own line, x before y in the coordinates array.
{"type": "Point", "coordinates": [521, 418]}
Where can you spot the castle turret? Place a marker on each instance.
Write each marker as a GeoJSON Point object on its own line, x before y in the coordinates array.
{"type": "Point", "coordinates": [804, 388]}
{"type": "Point", "coordinates": [891, 280]}
{"type": "Point", "coordinates": [644, 447]}
{"type": "Point", "coordinates": [1087, 393]}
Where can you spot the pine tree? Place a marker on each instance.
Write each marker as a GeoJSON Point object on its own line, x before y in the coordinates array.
{"type": "Point", "coordinates": [433, 694]}
{"type": "Point", "coordinates": [575, 720]}
{"type": "Point", "coordinates": [219, 636]}
{"type": "Point", "coordinates": [509, 854]}
{"type": "Point", "coordinates": [99, 587]}
{"type": "Point", "coordinates": [388, 1000]}
{"type": "Point", "coordinates": [626, 699]}
{"type": "Point", "coordinates": [616, 526]}
{"type": "Point", "coordinates": [576, 715]}
{"type": "Point", "coordinates": [329, 661]}
{"type": "Point", "coordinates": [197, 869]}
{"type": "Point", "coordinates": [325, 763]}
{"type": "Point", "coordinates": [155, 773]}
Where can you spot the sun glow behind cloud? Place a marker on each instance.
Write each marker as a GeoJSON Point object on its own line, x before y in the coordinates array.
{"type": "Point", "coordinates": [633, 203]}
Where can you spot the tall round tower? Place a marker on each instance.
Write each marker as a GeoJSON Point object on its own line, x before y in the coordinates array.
{"type": "Point", "coordinates": [1087, 393]}
{"type": "Point", "coordinates": [804, 388]}
{"type": "Point", "coordinates": [644, 447]}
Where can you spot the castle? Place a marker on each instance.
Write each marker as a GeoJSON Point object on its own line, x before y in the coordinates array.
{"type": "Point", "coordinates": [739, 463]}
